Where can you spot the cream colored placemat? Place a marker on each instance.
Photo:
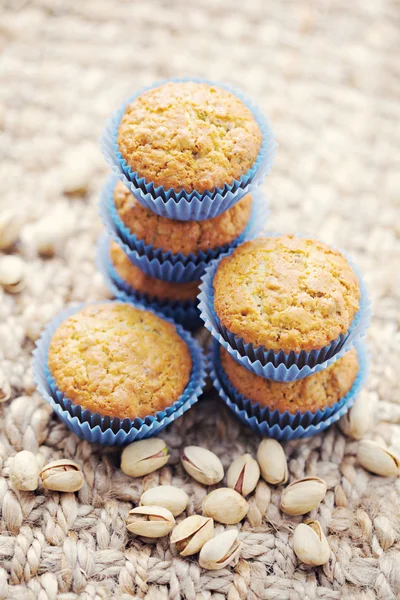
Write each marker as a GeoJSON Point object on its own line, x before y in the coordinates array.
{"type": "Point", "coordinates": [327, 74]}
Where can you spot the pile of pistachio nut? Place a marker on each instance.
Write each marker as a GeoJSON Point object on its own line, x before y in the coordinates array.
{"type": "Point", "coordinates": [155, 516]}
{"type": "Point", "coordinates": [158, 507]}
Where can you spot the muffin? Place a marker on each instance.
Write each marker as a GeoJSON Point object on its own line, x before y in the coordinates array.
{"type": "Point", "coordinates": [317, 391]}
{"type": "Point", "coordinates": [189, 136]}
{"type": "Point", "coordinates": [181, 236]}
{"type": "Point", "coordinates": [286, 293]}
{"type": "Point", "coordinates": [155, 288]}
{"type": "Point", "coordinates": [116, 360]}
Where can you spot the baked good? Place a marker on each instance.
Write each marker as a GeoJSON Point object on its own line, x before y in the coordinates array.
{"type": "Point", "coordinates": [116, 360]}
{"type": "Point", "coordinates": [188, 135]}
{"type": "Point", "coordinates": [286, 293]}
{"type": "Point", "coordinates": [317, 391]}
{"type": "Point", "coordinates": [156, 288]}
{"type": "Point", "coordinates": [181, 236]}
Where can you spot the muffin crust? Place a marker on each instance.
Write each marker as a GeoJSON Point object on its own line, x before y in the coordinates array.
{"type": "Point", "coordinates": [314, 392]}
{"type": "Point", "coordinates": [181, 236]}
{"type": "Point", "coordinates": [286, 293]}
{"type": "Point", "coordinates": [189, 135]}
{"type": "Point", "coordinates": [117, 360]}
{"type": "Point", "coordinates": [156, 288]}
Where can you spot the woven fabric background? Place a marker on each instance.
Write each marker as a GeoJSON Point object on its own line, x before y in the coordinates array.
{"type": "Point", "coordinates": [327, 74]}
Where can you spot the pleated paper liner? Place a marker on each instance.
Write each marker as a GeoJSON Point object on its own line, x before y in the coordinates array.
{"type": "Point", "coordinates": [105, 430]}
{"type": "Point", "coordinates": [280, 366]}
{"type": "Point", "coordinates": [186, 313]}
{"type": "Point", "coordinates": [284, 426]}
{"type": "Point", "coordinates": [182, 205]}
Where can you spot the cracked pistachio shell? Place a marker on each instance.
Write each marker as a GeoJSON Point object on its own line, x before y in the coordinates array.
{"type": "Point", "coordinates": [191, 534]}
{"type": "Point", "coordinates": [310, 544]}
{"type": "Point", "coordinates": [24, 471]}
{"type": "Point", "coordinates": [272, 460]}
{"type": "Point", "coordinates": [150, 521]}
{"type": "Point", "coordinates": [143, 457]}
{"type": "Point", "coordinates": [167, 496]}
{"type": "Point", "coordinates": [243, 474]}
{"type": "Point", "coordinates": [378, 459]}
{"type": "Point", "coordinates": [303, 495]}
{"type": "Point", "coordinates": [62, 476]}
{"type": "Point", "coordinates": [201, 464]}
{"type": "Point", "coordinates": [225, 506]}
{"type": "Point", "coordinates": [221, 550]}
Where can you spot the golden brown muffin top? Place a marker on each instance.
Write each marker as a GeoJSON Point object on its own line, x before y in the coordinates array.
{"type": "Point", "coordinates": [189, 135]}
{"type": "Point", "coordinates": [181, 236]}
{"type": "Point", "coordinates": [162, 290]}
{"type": "Point", "coordinates": [314, 392]}
{"type": "Point", "coordinates": [286, 293]}
{"type": "Point", "coordinates": [117, 360]}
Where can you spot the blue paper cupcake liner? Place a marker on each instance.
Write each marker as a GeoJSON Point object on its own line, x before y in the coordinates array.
{"type": "Point", "coordinates": [160, 266]}
{"type": "Point", "coordinates": [186, 313]}
{"type": "Point", "coordinates": [105, 430]}
{"type": "Point", "coordinates": [284, 426]}
{"type": "Point", "coordinates": [182, 205]}
{"type": "Point", "coordinates": [109, 214]}
{"type": "Point", "coordinates": [280, 366]}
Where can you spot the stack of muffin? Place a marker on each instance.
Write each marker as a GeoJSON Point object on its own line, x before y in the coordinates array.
{"type": "Point", "coordinates": [187, 157]}
{"type": "Point", "coordinates": [287, 314]}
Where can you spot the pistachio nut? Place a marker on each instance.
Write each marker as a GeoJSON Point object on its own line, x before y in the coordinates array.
{"type": "Point", "coordinates": [45, 237]}
{"type": "Point", "coordinates": [201, 464]}
{"type": "Point", "coordinates": [378, 459]}
{"type": "Point", "coordinates": [144, 457]}
{"type": "Point", "coordinates": [243, 474]}
{"type": "Point", "coordinates": [12, 270]}
{"type": "Point", "coordinates": [24, 471]}
{"type": "Point", "coordinates": [358, 420]}
{"type": "Point", "coordinates": [272, 460]}
{"type": "Point", "coordinates": [15, 288]}
{"type": "Point", "coordinates": [310, 544]}
{"type": "Point", "coordinates": [225, 506]}
{"type": "Point", "coordinates": [303, 495]}
{"type": "Point", "coordinates": [167, 496]}
{"type": "Point", "coordinates": [221, 550]}
{"type": "Point", "coordinates": [150, 521]}
{"type": "Point", "coordinates": [10, 227]}
{"type": "Point", "coordinates": [5, 388]}
{"type": "Point", "coordinates": [191, 534]}
{"type": "Point", "coordinates": [62, 476]}
{"type": "Point", "coordinates": [76, 171]}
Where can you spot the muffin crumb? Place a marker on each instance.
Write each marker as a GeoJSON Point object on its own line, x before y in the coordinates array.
{"type": "Point", "coordinates": [286, 293]}
{"type": "Point", "coordinates": [120, 361]}
{"type": "Point", "coordinates": [189, 136]}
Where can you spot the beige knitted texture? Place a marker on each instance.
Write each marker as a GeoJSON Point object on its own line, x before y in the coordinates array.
{"type": "Point", "coordinates": [326, 73]}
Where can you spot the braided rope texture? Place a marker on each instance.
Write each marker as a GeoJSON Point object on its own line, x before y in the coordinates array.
{"type": "Point", "coordinates": [327, 74]}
